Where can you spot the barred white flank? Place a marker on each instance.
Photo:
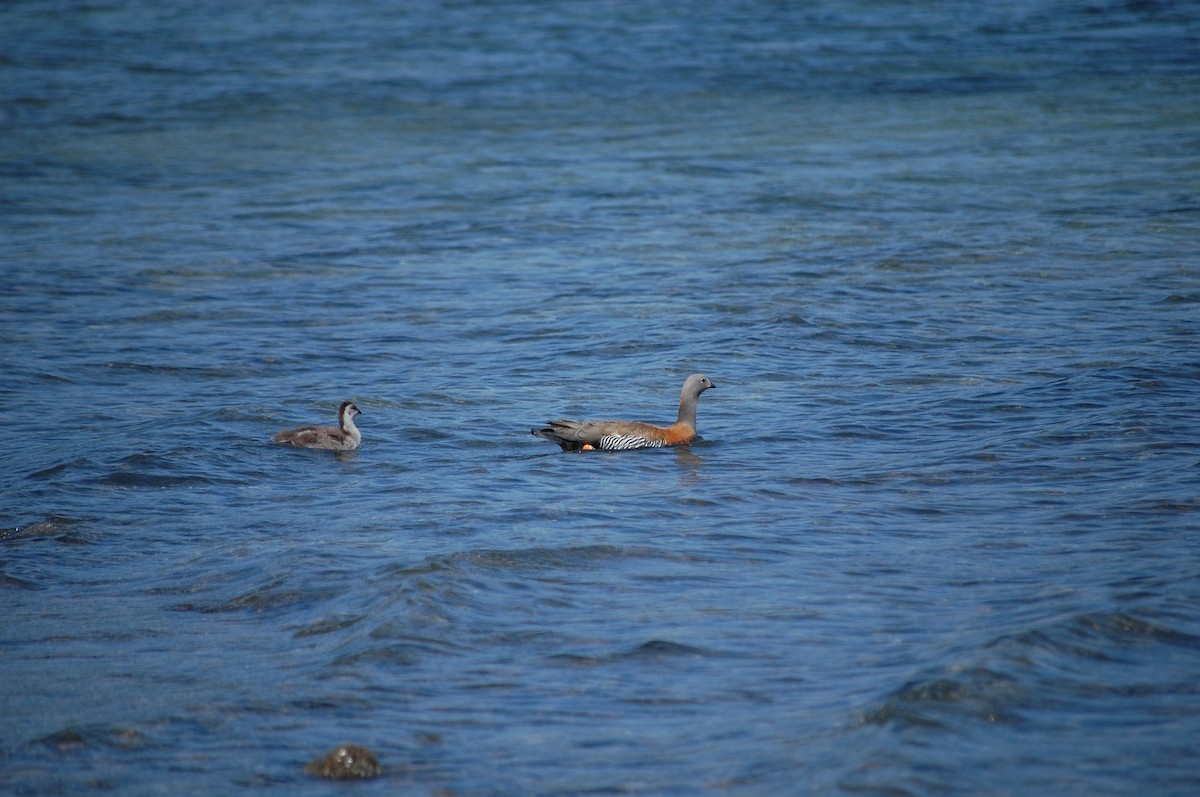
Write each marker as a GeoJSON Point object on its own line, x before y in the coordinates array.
{"type": "Point", "coordinates": [625, 442]}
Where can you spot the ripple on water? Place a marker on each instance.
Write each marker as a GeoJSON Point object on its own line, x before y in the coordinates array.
{"type": "Point", "coordinates": [1073, 666]}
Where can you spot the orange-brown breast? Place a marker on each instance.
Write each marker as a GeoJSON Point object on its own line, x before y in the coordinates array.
{"type": "Point", "coordinates": [678, 433]}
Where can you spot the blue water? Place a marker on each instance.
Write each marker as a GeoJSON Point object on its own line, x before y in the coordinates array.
{"type": "Point", "coordinates": [941, 535]}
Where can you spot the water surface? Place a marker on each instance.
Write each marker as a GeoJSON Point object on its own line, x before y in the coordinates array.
{"type": "Point", "coordinates": [940, 535]}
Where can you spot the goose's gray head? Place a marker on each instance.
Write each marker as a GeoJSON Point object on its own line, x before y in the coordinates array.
{"type": "Point", "coordinates": [697, 384]}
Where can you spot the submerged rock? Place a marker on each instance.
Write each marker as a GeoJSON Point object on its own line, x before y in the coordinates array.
{"type": "Point", "coordinates": [348, 762]}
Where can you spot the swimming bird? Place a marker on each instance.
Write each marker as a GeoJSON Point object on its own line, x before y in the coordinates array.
{"type": "Point", "coordinates": [624, 435]}
{"type": "Point", "coordinates": [344, 437]}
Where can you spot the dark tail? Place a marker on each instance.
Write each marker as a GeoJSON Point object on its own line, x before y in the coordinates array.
{"type": "Point", "coordinates": [552, 436]}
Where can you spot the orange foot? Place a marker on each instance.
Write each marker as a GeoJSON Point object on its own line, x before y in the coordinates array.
{"type": "Point", "coordinates": [587, 447]}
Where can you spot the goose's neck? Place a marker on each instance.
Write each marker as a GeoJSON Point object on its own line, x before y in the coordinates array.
{"type": "Point", "coordinates": [687, 409]}
{"type": "Point", "coordinates": [347, 422]}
